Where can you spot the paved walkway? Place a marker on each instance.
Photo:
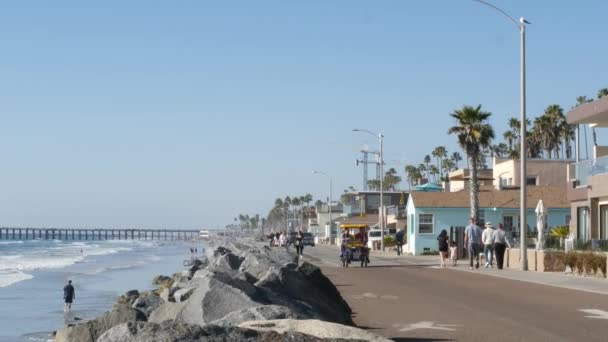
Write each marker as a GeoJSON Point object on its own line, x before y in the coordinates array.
{"type": "Point", "coordinates": [411, 299]}
{"type": "Point", "coordinates": [568, 281]}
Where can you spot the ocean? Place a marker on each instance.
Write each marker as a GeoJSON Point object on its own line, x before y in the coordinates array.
{"type": "Point", "coordinates": [33, 273]}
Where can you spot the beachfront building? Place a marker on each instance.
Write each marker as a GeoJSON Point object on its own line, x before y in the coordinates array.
{"type": "Point", "coordinates": [460, 179]}
{"type": "Point", "coordinates": [365, 203]}
{"type": "Point", "coordinates": [588, 179]}
{"type": "Point", "coordinates": [321, 228]}
{"type": "Point", "coordinates": [430, 212]}
{"type": "Point", "coordinates": [539, 172]}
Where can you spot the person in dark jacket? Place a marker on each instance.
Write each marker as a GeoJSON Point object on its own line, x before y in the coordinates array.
{"type": "Point", "coordinates": [443, 245]}
{"type": "Point", "coordinates": [399, 238]}
{"type": "Point", "coordinates": [299, 242]}
{"type": "Point", "coordinates": [68, 296]}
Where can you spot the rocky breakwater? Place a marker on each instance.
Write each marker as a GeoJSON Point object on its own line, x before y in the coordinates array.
{"type": "Point", "coordinates": [244, 293]}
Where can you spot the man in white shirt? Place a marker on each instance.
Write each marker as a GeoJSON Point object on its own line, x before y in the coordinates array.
{"type": "Point", "coordinates": [487, 238]}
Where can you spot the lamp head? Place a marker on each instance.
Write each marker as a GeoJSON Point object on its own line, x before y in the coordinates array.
{"type": "Point", "coordinates": [522, 20]}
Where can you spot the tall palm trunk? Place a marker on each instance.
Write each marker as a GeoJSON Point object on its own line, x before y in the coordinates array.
{"type": "Point", "coordinates": [474, 186]}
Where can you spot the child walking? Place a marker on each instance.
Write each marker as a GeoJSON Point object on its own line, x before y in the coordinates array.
{"type": "Point", "coordinates": [453, 252]}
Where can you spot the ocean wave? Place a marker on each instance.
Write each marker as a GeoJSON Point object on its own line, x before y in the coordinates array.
{"type": "Point", "coordinates": [9, 277]}
{"type": "Point", "coordinates": [11, 242]}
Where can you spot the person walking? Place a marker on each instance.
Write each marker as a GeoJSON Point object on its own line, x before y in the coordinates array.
{"type": "Point", "coordinates": [68, 296]}
{"type": "Point", "coordinates": [399, 238]}
{"type": "Point", "coordinates": [299, 242]}
{"type": "Point", "coordinates": [500, 243]}
{"type": "Point", "coordinates": [454, 252]}
{"type": "Point", "coordinates": [472, 239]}
{"type": "Point", "coordinates": [487, 238]}
{"type": "Point", "coordinates": [443, 246]}
{"type": "Point", "coordinates": [283, 240]}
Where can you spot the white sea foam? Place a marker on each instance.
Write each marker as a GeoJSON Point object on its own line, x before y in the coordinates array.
{"type": "Point", "coordinates": [9, 277]}
{"type": "Point", "coordinates": [11, 242]}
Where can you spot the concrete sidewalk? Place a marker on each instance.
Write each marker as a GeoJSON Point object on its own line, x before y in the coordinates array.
{"type": "Point", "coordinates": [557, 279]}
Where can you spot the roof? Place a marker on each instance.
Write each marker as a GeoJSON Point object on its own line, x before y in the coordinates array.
{"type": "Point", "coordinates": [553, 197]}
{"type": "Point", "coordinates": [369, 219]}
{"type": "Point", "coordinates": [595, 112]}
{"type": "Point", "coordinates": [463, 174]}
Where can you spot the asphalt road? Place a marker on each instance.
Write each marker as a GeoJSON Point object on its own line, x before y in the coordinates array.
{"type": "Point", "coordinates": [408, 301]}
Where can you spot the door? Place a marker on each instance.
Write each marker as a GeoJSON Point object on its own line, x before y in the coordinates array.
{"type": "Point", "coordinates": [508, 223]}
{"type": "Point", "coordinates": [603, 222]}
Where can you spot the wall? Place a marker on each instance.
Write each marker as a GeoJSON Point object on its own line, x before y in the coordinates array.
{"type": "Point", "coordinates": [547, 171]}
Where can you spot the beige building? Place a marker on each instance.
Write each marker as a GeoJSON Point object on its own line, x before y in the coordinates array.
{"type": "Point", "coordinates": [588, 179]}
{"type": "Point", "coordinates": [540, 172]}
{"type": "Point", "coordinates": [459, 179]}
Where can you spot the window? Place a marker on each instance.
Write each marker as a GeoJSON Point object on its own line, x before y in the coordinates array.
{"type": "Point", "coordinates": [425, 224]}
{"type": "Point", "coordinates": [531, 180]}
{"type": "Point", "coordinates": [482, 218]}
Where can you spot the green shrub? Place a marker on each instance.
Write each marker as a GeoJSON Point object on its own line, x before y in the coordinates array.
{"type": "Point", "coordinates": [389, 241]}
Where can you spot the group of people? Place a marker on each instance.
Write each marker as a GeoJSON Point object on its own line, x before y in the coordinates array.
{"type": "Point", "coordinates": [492, 242]}
{"type": "Point", "coordinates": [282, 239]}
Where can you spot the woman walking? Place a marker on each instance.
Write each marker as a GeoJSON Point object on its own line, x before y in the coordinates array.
{"type": "Point", "coordinates": [443, 246]}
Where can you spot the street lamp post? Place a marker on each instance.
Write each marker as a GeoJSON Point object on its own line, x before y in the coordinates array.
{"type": "Point", "coordinates": [381, 210]}
{"type": "Point", "coordinates": [330, 198]}
{"type": "Point", "coordinates": [523, 224]}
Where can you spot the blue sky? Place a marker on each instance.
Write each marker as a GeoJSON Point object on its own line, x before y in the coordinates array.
{"type": "Point", "coordinates": [185, 114]}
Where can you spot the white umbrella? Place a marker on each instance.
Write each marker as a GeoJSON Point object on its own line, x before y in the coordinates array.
{"type": "Point", "coordinates": [541, 217]}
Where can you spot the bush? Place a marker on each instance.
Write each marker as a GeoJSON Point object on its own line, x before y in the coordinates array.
{"type": "Point", "coordinates": [389, 241]}
{"type": "Point", "coordinates": [555, 261]}
{"type": "Point", "coordinates": [570, 260]}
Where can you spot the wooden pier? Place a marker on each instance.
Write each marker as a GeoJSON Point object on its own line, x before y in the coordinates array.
{"type": "Point", "coordinates": [96, 234]}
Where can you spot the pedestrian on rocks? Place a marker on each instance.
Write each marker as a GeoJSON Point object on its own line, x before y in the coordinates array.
{"type": "Point", "coordinates": [472, 239]}
{"type": "Point", "coordinates": [282, 239]}
{"type": "Point", "coordinates": [488, 244]}
{"type": "Point", "coordinates": [277, 236]}
{"type": "Point", "coordinates": [299, 242]}
{"type": "Point", "coordinates": [68, 296]}
{"type": "Point", "coordinates": [500, 243]}
{"type": "Point", "coordinates": [399, 239]}
{"type": "Point", "coordinates": [454, 252]}
{"type": "Point", "coordinates": [196, 252]}
{"type": "Point", "coordinates": [442, 241]}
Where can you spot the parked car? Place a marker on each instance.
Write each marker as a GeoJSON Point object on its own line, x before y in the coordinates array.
{"type": "Point", "coordinates": [309, 240]}
{"type": "Point", "coordinates": [374, 236]}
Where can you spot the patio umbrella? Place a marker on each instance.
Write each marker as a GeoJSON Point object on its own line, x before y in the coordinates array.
{"type": "Point", "coordinates": [541, 219]}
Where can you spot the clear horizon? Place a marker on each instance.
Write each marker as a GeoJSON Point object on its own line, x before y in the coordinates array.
{"type": "Point", "coordinates": [152, 114]}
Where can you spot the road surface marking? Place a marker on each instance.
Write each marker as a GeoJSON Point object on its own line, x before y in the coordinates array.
{"type": "Point", "coordinates": [429, 325]}
{"type": "Point", "coordinates": [598, 314]}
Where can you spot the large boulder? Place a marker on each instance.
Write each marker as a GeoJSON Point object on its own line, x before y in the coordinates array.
{"type": "Point", "coordinates": [211, 299]}
{"type": "Point", "coordinates": [228, 261]}
{"type": "Point", "coordinates": [263, 312]}
{"type": "Point", "coordinates": [173, 331]}
{"type": "Point", "coordinates": [320, 330]}
{"type": "Point", "coordinates": [128, 298]}
{"type": "Point", "coordinates": [162, 280]}
{"type": "Point", "coordinates": [91, 330]}
{"type": "Point", "coordinates": [147, 302]}
{"type": "Point", "coordinates": [307, 291]}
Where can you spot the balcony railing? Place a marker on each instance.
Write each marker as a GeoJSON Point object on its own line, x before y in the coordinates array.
{"type": "Point", "coordinates": [586, 168]}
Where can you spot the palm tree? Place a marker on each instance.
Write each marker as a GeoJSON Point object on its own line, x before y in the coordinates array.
{"type": "Point", "coordinates": [474, 134]}
{"type": "Point", "coordinates": [410, 173]}
{"type": "Point", "coordinates": [456, 158]}
{"type": "Point", "coordinates": [427, 161]}
{"type": "Point", "coordinates": [509, 138]}
{"type": "Point", "coordinates": [422, 169]}
{"type": "Point", "coordinates": [440, 152]}
{"type": "Point", "coordinates": [434, 171]}
{"type": "Point", "coordinates": [602, 92]}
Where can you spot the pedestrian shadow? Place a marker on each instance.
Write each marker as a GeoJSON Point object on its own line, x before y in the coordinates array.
{"type": "Point", "coordinates": [364, 327]}
{"type": "Point", "coordinates": [419, 339]}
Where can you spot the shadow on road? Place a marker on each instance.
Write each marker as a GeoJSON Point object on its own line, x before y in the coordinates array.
{"type": "Point", "coordinates": [401, 266]}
